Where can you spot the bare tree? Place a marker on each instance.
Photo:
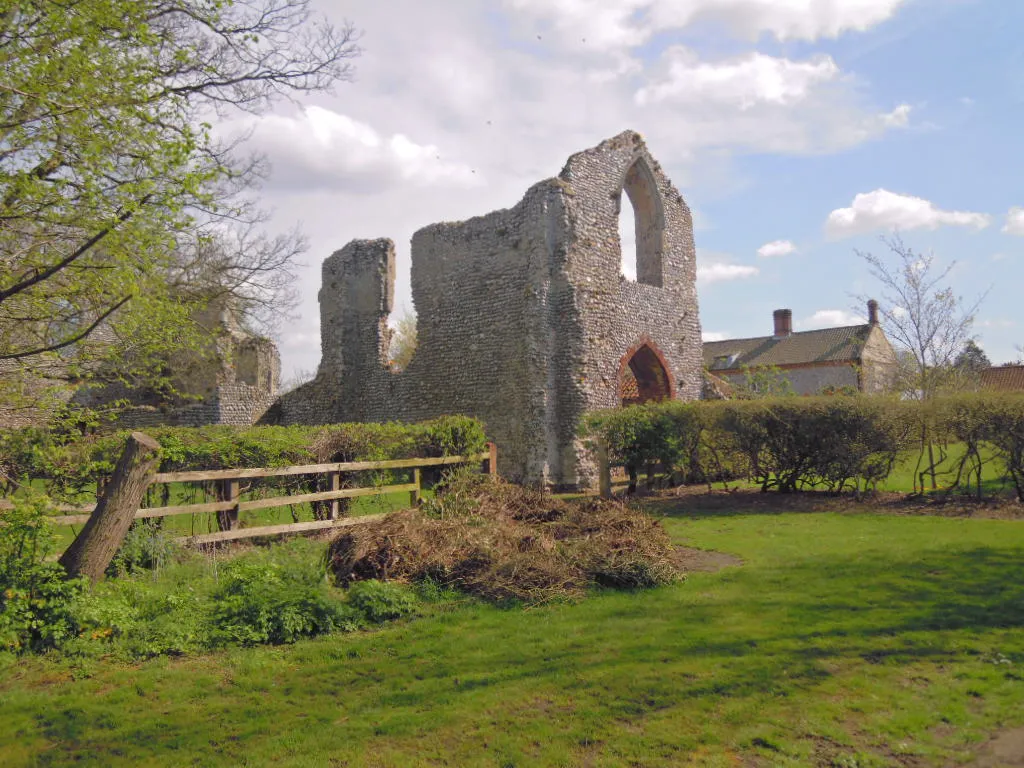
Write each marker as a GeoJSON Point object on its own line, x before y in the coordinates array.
{"type": "Point", "coordinates": [927, 321]}
{"type": "Point", "coordinates": [921, 315]}
{"type": "Point", "coordinates": [299, 377]}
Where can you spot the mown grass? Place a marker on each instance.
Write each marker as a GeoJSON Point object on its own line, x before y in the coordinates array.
{"type": "Point", "coordinates": [948, 458]}
{"type": "Point", "coordinates": [843, 640]}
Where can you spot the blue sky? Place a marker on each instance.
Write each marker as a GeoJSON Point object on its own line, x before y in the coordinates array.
{"type": "Point", "coordinates": [813, 125]}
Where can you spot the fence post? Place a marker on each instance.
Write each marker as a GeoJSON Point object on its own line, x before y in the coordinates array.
{"type": "Point", "coordinates": [227, 490]}
{"type": "Point", "coordinates": [604, 471]}
{"type": "Point", "coordinates": [414, 496]}
{"type": "Point", "coordinates": [334, 484]}
{"type": "Point", "coordinates": [492, 460]}
{"type": "Point", "coordinates": [93, 549]}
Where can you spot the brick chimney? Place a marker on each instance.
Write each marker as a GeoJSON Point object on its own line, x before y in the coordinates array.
{"type": "Point", "coordinates": [783, 322]}
{"type": "Point", "coordinates": [872, 312]}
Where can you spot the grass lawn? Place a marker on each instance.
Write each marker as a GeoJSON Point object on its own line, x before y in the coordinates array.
{"type": "Point", "coordinates": [993, 476]}
{"type": "Point", "coordinates": [843, 640]}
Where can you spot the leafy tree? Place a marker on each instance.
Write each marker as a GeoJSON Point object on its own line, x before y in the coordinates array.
{"type": "Point", "coordinates": [972, 358]}
{"type": "Point", "coordinates": [763, 381]}
{"type": "Point", "coordinates": [120, 210]}
{"type": "Point", "coordinates": [402, 346]}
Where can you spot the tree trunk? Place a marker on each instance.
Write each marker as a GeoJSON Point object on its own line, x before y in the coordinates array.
{"type": "Point", "coordinates": [604, 471]}
{"type": "Point", "coordinates": [94, 548]}
{"type": "Point", "coordinates": [632, 471]}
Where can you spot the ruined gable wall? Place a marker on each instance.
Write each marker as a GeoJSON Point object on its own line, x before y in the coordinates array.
{"type": "Point", "coordinates": [614, 313]}
{"type": "Point", "coordinates": [523, 316]}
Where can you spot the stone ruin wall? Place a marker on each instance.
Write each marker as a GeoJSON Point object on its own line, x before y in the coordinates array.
{"type": "Point", "coordinates": [524, 319]}
{"type": "Point", "coordinates": [234, 383]}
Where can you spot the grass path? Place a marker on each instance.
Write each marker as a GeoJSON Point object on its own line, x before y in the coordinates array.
{"type": "Point", "coordinates": [845, 640]}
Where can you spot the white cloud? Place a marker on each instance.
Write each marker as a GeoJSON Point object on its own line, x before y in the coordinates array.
{"type": "Point", "coordinates": [326, 148]}
{"type": "Point", "coordinates": [396, 150]}
{"type": "Point", "coordinates": [1014, 221]}
{"type": "Point", "coordinates": [618, 24]}
{"type": "Point", "coordinates": [830, 318]}
{"type": "Point", "coordinates": [881, 209]}
{"type": "Point", "coordinates": [898, 118]}
{"type": "Point", "coordinates": [741, 82]}
{"type": "Point", "coordinates": [776, 248]}
{"type": "Point", "coordinates": [713, 336]}
{"type": "Point", "coordinates": [717, 273]}
{"type": "Point", "coordinates": [998, 323]}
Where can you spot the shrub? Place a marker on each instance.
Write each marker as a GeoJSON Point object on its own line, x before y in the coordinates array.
{"type": "Point", "coordinates": [146, 546]}
{"type": "Point", "coordinates": [659, 435]}
{"type": "Point", "coordinates": [261, 600]}
{"type": "Point", "coordinates": [140, 616]}
{"type": "Point", "coordinates": [987, 419]}
{"type": "Point", "coordinates": [781, 443]}
{"type": "Point", "coordinates": [381, 601]}
{"type": "Point", "coordinates": [35, 595]}
{"type": "Point", "coordinates": [274, 595]}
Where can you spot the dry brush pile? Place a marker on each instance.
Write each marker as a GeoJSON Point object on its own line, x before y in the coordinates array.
{"type": "Point", "coordinates": [505, 543]}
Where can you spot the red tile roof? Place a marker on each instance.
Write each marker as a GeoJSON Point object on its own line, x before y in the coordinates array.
{"type": "Point", "coordinates": [1007, 378]}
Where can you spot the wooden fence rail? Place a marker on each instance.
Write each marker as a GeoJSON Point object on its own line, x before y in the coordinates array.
{"type": "Point", "coordinates": [229, 503]}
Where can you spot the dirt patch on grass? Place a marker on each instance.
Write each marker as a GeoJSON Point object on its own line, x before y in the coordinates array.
{"type": "Point", "coordinates": [703, 560]}
{"type": "Point", "coordinates": [1004, 750]}
{"type": "Point", "coordinates": [696, 501]}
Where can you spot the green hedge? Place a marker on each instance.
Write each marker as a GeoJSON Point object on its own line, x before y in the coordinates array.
{"type": "Point", "coordinates": [70, 465]}
{"type": "Point", "coordinates": [835, 443]}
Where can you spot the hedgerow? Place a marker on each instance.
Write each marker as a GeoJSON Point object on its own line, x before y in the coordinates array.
{"type": "Point", "coordinates": [836, 443]}
{"type": "Point", "coordinates": [70, 466]}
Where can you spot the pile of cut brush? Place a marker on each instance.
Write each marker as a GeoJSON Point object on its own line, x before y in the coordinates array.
{"type": "Point", "coordinates": [506, 543]}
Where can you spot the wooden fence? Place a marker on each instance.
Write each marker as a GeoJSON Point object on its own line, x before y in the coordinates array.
{"type": "Point", "coordinates": [229, 503]}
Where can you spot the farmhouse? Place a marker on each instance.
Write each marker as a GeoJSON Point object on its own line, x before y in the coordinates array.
{"type": "Point", "coordinates": [524, 317]}
{"type": "Point", "coordinates": [856, 356]}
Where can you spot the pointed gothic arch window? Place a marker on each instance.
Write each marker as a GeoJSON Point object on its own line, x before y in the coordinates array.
{"type": "Point", "coordinates": [641, 225]}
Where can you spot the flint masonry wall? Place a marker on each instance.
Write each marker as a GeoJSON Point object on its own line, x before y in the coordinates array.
{"type": "Point", "coordinates": [524, 319]}
{"type": "Point", "coordinates": [236, 383]}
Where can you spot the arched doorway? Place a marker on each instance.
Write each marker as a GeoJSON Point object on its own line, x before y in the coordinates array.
{"type": "Point", "coordinates": [644, 375]}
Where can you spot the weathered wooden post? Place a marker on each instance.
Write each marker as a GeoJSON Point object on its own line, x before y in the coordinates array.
{"type": "Point", "coordinates": [93, 549]}
{"type": "Point", "coordinates": [414, 495]}
{"type": "Point", "coordinates": [604, 471]}
{"type": "Point", "coordinates": [228, 490]}
{"type": "Point", "coordinates": [334, 484]}
{"type": "Point", "coordinates": [492, 460]}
